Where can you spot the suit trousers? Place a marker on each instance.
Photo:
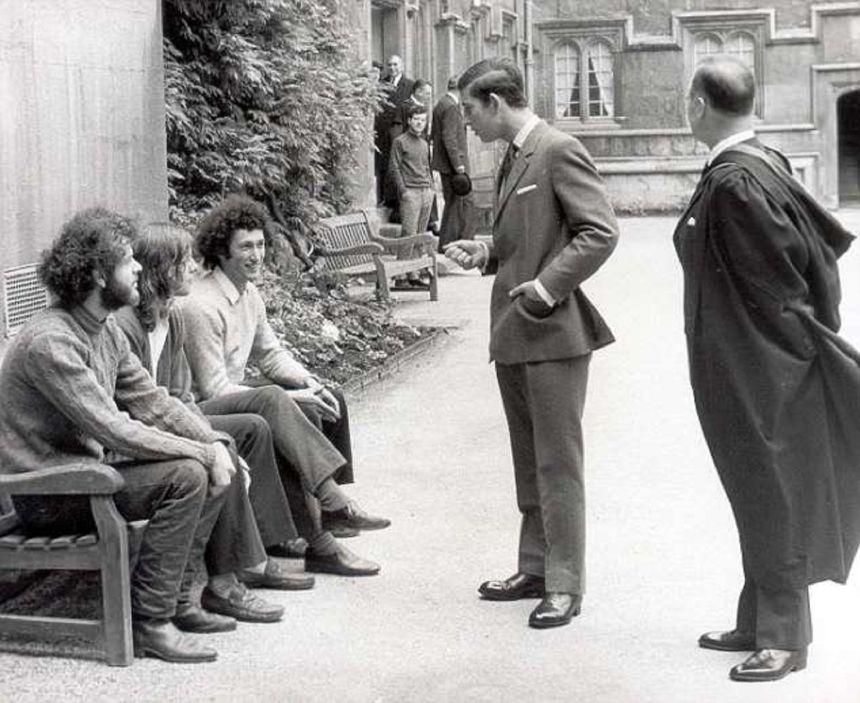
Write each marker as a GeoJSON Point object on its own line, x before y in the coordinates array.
{"type": "Point", "coordinates": [780, 618]}
{"type": "Point", "coordinates": [543, 403]}
{"type": "Point", "coordinates": [458, 217]}
{"type": "Point", "coordinates": [304, 456]}
{"type": "Point", "coordinates": [175, 497]}
{"type": "Point", "coordinates": [271, 510]}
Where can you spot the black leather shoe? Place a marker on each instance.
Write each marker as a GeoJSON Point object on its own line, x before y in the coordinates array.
{"type": "Point", "coordinates": [192, 618]}
{"type": "Point", "coordinates": [769, 665]}
{"type": "Point", "coordinates": [341, 562]}
{"type": "Point", "coordinates": [241, 604]}
{"type": "Point", "coordinates": [161, 639]}
{"type": "Point", "coordinates": [555, 609]}
{"type": "Point", "coordinates": [352, 517]}
{"type": "Point", "coordinates": [729, 641]}
{"type": "Point", "coordinates": [275, 577]}
{"type": "Point", "coordinates": [514, 588]}
{"type": "Point", "coordinates": [293, 549]}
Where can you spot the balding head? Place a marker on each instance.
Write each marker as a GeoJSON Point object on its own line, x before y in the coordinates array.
{"type": "Point", "coordinates": [726, 84]}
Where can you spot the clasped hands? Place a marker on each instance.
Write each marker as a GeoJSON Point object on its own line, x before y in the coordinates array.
{"type": "Point", "coordinates": [316, 395]}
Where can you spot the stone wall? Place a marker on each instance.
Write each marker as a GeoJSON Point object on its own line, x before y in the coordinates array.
{"type": "Point", "coordinates": [81, 84]}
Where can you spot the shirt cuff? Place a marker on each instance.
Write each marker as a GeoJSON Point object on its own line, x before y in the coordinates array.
{"type": "Point", "coordinates": [485, 250]}
{"type": "Point", "coordinates": [544, 293]}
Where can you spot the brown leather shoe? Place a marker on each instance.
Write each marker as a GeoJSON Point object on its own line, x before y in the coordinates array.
{"type": "Point", "coordinates": [513, 588]}
{"type": "Point", "coordinates": [769, 665]}
{"type": "Point", "coordinates": [729, 641]}
{"type": "Point", "coordinates": [192, 618]}
{"type": "Point", "coordinates": [161, 639]}
{"type": "Point", "coordinates": [555, 609]}
{"type": "Point", "coordinates": [276, 578]}
{"type": "Point", "coordinates": [341, 562]}
{"type": "Point", "coordinates": [352, 517]}
{"type": "Point", "coordinates": [241, 604]}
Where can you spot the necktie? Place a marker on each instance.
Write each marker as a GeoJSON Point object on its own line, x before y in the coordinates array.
{"type": "Point", "coordinates": [505, 168]}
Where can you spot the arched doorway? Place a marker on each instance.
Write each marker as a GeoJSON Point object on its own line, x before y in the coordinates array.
{"type": "Point", "coordinates": [848, 111]}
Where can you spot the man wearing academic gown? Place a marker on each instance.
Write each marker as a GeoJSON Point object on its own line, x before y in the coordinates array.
{"type": "Point", "coordinates": [776, 390]}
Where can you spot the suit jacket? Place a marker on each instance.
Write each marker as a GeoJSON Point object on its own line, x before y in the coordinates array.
{"type": "Point", "coordinates": [398, 95]}
{"type": "Point", "coordinates": [553, 222]}
{"type": "Point", "coordinates": [448, 136]}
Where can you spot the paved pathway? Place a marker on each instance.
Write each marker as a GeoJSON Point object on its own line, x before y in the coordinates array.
{"type": "Point", "coordinates": [432, 447]}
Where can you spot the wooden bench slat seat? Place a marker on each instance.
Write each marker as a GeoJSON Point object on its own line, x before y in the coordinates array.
{"type": "Point", "coordinates": [110, 550]}
{"type": "Point", "coordinates": [354, 249]}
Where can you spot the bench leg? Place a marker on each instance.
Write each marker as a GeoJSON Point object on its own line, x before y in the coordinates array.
{"type": "Point", "coordinates": [382, 281]}
{"type": "Point", "coordinates": [116, 582]}
{"type": "Point", "coordinates": [434, 283]}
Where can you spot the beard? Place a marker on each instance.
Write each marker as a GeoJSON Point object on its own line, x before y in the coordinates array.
{"type": "Point", "coordinates": [116, 295]}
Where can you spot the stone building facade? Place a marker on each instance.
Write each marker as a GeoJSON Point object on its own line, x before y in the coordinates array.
{"type": "Point", "coordinates": [614, 73]}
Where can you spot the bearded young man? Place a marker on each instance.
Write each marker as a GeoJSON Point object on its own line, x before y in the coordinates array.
{"type": "Point", "coordinates": [73, 392]}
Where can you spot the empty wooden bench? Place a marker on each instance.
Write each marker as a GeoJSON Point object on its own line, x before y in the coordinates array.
{"type": "Point", "coordinates": [107, 550]}
{"type": "Point", "coordinates": [354, 249]}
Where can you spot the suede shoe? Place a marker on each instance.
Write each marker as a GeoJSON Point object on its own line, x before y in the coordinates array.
{"type": "Point", "coordinates": [161, 639]}
{"type": "Point", "coordinates": [192, 618]}
{"type": "Point", "coordinates": [341, 562]}
{"type": "Point", "coordinates": [729, 641]}
{"type": "Point", "coordinates": [352, 516]}
{"type": "Point", "coordinates": [513, 588]}
{"type": "Point", "coordinates": [555, 609]}
{"type": "Point", "coordinates": [769, 665]}
{"type": "Point", "coordinates": [276, 578]}
{"type": "Point", "coordinates": [241, 604]}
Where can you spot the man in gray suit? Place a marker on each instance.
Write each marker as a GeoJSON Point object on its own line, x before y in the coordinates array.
{"type": "Point", "coordinates": [553, 228]}
{"type": "Point", "coordinates": [451, 156]}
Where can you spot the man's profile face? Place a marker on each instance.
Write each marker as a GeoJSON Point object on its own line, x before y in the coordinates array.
{"type": "Point", "coordinates": [187, 274]}
{"type": "Point", "coordinates": [245, 261]}
{"type": "Point", "coordinates": [121, 288]}
{"type": "Point", "coordinates": [482, 118]}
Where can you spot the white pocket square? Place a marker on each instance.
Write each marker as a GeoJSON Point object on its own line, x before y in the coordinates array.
{"type": "Point", "coordinates": [527, 189]}
{"type": "Point", "coordinates": [691, 222]}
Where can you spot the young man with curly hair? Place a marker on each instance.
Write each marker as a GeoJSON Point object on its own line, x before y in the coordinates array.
{"type": "Point", "coordinates": [227, 326]}
{"type": "Point", "coordinates": [73, 393]}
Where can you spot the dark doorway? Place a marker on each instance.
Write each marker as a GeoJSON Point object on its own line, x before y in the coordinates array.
{"type": "Point", "coordinates": [848, 110]}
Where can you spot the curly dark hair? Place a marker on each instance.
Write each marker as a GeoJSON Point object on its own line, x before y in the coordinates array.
{"type": "Point", "coordinates": [91, 243]}
{"type": "Point", "coordinates": [215, 231]}
{"type": "Point", "coordinates": [162, 251]}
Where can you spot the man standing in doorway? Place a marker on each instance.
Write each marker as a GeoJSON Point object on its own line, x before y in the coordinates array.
{"type": "Point", "coordinates": [450, 157]}
{"type": "Point", "coordinates": [553, 228]}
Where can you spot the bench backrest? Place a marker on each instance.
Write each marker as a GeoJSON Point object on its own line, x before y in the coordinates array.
{"type": "Point", "coordinates": [346, 231]}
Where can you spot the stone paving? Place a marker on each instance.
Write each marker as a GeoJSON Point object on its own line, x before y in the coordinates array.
{"type": "Point", "coordinates": [432, 454]}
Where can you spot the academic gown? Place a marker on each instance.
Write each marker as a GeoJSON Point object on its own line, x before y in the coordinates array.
{"type": "Point", "coordinates": [776, 390]}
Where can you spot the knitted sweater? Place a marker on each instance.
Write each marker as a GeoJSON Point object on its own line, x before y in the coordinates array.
{"type": "Point", "coordinates": [224, 330]}
{"type": "Point", "coordinates": [71, 389]}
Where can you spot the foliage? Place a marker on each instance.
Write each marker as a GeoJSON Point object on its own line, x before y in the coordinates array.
{"type": "Point", "coordinates": [338, 338]}
{"type": "Point", "coordinates": [266, 96]}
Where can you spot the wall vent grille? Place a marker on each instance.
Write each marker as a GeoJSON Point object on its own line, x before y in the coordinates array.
{"type": "Point", "coordinates": [23, 296]}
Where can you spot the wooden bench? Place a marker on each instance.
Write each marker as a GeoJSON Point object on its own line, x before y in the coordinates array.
{"type": "Point", "coordinates": [109, 550]}
{"type": "Point", "coordinates": [354, 249]}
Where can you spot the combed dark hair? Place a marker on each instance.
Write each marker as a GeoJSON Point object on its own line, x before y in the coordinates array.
{"type": "Point", "coordinates": [216, 229]}
{"type": "Point", "coordinates": [91, 243]}
{"type": "Point", "coordinates": [499, 75]}
{"type": "Point", "coordinates": [415, 109]}
{"type": "Point", "coordinates": [162, 251]}
{"type": "Point", "coordinates": [419, 85]}
{"type": "Point", "coordinates": [727, 83]}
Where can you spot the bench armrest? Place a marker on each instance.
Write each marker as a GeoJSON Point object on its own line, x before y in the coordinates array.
{"type": "Point", "coordinates": [69, 479]}
{"type": "Point", "coordinates": [367, 248]}
{"type": "Point", "coordinates": [421, 239]}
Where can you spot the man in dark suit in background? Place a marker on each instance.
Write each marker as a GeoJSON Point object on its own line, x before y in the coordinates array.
{"type": "Point", "coordinates": [776, 391]}
{"type": "Point", "coordinates": [451, 156]}
{"type": "Point", "coordinates": [400, 88]}
{"type": "Point", "coordinates": [553, 228]}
